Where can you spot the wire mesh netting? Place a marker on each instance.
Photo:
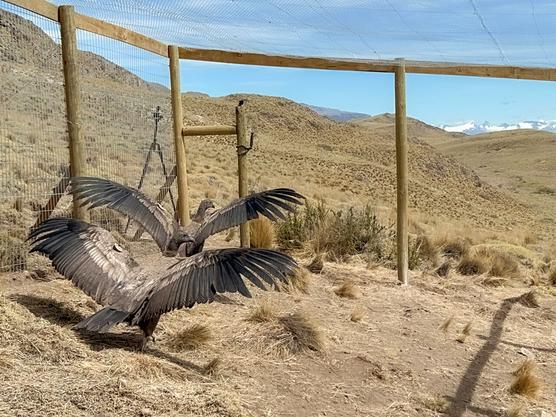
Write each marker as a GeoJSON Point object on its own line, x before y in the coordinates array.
{"type": "Point", "coordinates": [517, 32]}
{"type": "Point", "coordinates": [119, 114]}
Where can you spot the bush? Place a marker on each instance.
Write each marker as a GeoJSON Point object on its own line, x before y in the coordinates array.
{"type": "Point", "coordinates": [338, 233]}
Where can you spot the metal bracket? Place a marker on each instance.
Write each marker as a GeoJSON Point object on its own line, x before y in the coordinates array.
{"type": "Point", "coordinates": [243, 150]}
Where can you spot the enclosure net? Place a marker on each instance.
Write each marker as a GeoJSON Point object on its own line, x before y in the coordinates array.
{"type": "Point", "coordinates": [118, 115]}
{"type": "Point", "coordinates": [516, 32]}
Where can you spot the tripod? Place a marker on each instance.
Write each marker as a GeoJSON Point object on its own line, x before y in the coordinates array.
{"type": "Point", "coordinates": [155, 147]}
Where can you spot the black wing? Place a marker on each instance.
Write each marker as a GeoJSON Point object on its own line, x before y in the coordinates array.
{"type": "Point", "coordinates": [198, 278]}
{"type": "Point", "coordinates": [98, 192]}
{"type": "Point", "coordinates": [268, 203]}
{"type": "Point", "coordinates": [89, 256]}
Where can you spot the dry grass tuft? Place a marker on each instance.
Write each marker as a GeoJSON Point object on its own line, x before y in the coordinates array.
{"type": "Point", "coordinates": [316, 265]}
{"type": "Point", "coordinates": [527, 384]}
{"type": "Point", "coordinates": [444, 269]}
{"type": "Point", "coordinates": [515, 410]}
{"type": "Point", "coordinates": [465, 332]}
{"type": "Point", "coordinates": [298, 334]}
{"type": "Point", "coordinates": [213, 367]}
{"type": "Point", "coordinates": [453, 248]}
{"type": "Point", "coordinates": [262, 313]}
{"type": "Point", "coordinates": [261, 233]}
{"type": "Point", "coordinates": [529, 299]}
{"type": "Point", "coordinates": [435, 403]}
{"type": "Point", "coordinates": [526, 367]}
{"type": "Point", "coordinates": [357, 314]}
{"type": "Point", "coordinates": [348, 289]}
{"type": "Point", "coordinates": [297, 282]}
{"type": "Point", "coordinates": [472, 265]}
{"type": "Point", "coordinates": [190, 338]}
{"type": "Point", "coordinates": [445, 326]}
{"type": "Point", "coordinates": [502, 264]}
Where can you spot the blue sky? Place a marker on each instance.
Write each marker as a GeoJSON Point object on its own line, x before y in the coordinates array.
{"type": "Point", "coordinates": [516, 32]}
{"type": "Point", "coordinates": [433, 99]}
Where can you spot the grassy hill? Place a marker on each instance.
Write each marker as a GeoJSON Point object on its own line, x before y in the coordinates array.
{"type": "Point", "coordinates": [520, 161]}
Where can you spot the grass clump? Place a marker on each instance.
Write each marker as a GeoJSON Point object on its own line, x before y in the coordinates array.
{"type": "Point", "coordinates": [299, 281]}
{"type": "Point", "coordinates": [261, 232]}
{"type": "Point", "coordinates": [445, 326]}
{"type": "Point", "coordinates": [348, 289]}
{"type": "Point", "coordinates": [190, 338]}
{"type": "Point", "coordinates": [299, 334]}
{"type": "Point", "coordinates": [471, 265]}
{"type": "Point", "coordinates": [525, 382]}
{"type": "Point", "coordinates": [357, 314]}
{"type": "Point", "coordinates": [465, 332]}
{"type": "Point", "coordinates": [262, 313]}
{"type": "Point", "coordinates": [340, 234]}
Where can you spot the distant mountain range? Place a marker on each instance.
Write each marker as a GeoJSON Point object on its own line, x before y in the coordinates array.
{"type": "Point", "coordinates": [468, 128]}
{"type": "Point", "coordinates": [473, 128]}
{"type": "Point", "coordinates": [335, 114]}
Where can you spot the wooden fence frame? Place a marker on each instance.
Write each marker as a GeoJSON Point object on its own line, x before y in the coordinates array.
{"type": "Point", "coordinates": [399, 68]}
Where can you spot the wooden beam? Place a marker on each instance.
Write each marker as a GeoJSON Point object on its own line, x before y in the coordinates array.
{"type": "Point", "coordinates": [242, 149]}
{"type": "Point", "coordinates": [208, 130]}
{"type": "Point", "coordinates": [57, 193]}
{"type": "Point", "coordinates": [48, 10]}
{"type": "Point", "coordinates": [119, 33]}
{"type": "Point", "coordinates": [72, 91]}
{"type": "Point", "coordinates": [179, 146]}
{"type": "Point", "coordinates": [41, 7]}
{"type": "Point", "coordinates": [340, 64]}
{"type": "Point", "coordinates": [401, 174]}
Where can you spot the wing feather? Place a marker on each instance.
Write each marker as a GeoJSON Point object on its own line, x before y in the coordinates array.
{"type": "Point", "coordinates": [97, 192]}
{"type": "Point", "coordinates": [86, 255]}
{"type": "Point", "coordinates": [223, 270]}
{"type": "Point", "coordinates": [270, 203]}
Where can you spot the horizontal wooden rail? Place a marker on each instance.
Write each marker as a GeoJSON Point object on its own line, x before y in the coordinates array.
{"type": "Point", "coordinates": [417, 67]}
{"type": "Point", "coordinates": [119, 33]}
{"type": "Point", "coordinates": [100, 27]}
{"type": "Point", "coordinates": [48, 10]}
{"type": "Point", "coordinates": [208, 130]}
{"type": "Point", "coordinates": [41, 7]}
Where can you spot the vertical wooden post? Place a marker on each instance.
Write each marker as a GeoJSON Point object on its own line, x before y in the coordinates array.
{"type": "Point", "coordinates": [401, 172]}
{"type": "Point", "coordinates": [73, 97]}
{"type": "Point", "coordinates": [242, 148]}
{"type": "Point", "coordinates": [179, 146]}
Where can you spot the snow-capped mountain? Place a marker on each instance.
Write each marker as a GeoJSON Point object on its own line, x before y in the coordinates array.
{"type": "Point", "coordinates": [473, 128]}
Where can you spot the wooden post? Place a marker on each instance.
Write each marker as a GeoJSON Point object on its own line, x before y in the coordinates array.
{"type": "Point", "coordinates": [66, 16]}
{"type": "Point", "coordinates": [179, 146]}
{"type": "Point", "coordinates": [401, 172]}
{"type": "Point", "coordinates": [242, 149]}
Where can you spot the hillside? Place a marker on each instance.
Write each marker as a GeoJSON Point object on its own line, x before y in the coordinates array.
{"type": "Point", "coordinates": [385, 124]}
{"type": "Point", "coordinates": [335, 114]}
{"type": "Point", "coordinates": [520, 161]}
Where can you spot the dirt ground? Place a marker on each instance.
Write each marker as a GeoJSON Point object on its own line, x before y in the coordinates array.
{"type": "Point", "coordinates": [394, 362]}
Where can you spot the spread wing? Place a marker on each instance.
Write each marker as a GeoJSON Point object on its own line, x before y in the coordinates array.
{"type": "Point", "coordinates": [98, 192]}
{"type": "Point", "coordinates": [268, 203]}
{"type": "Point", "coordinates": [89, 256]}
{"type": "Point", "coordinates": [198, 278]}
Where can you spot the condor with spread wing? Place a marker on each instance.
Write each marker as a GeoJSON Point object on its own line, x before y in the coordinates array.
{"type": "Point", "coordinates": [90, 257]}
{"type": "Point", "coordinates": [166, 232]}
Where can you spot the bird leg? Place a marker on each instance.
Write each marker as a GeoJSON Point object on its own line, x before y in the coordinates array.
{"type": "Point", "coordinates": [148, 327]}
